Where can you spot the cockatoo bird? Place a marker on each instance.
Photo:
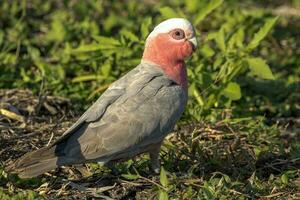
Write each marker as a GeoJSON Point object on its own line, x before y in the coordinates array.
{"type": "Point", "coordinates": [133, 115]}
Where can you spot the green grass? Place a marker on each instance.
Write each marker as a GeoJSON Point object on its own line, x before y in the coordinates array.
{"type": "Point", "coordinates": [239, 136]}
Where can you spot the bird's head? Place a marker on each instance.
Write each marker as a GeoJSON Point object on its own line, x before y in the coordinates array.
{"type": "Point", "coordinates": [170, 42]}
{"type": "Point", "coordinates": [168, 45]}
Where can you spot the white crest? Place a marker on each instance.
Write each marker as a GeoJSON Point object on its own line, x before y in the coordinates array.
{"type": "Point", "coordinates": [170, 24]}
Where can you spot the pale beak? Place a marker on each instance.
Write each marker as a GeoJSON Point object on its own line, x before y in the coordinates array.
{"type": "Point", "coordinates": [193, 40]}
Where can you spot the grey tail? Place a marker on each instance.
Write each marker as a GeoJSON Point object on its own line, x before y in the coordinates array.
{"type": "Point", "coordinates": [35, 163]}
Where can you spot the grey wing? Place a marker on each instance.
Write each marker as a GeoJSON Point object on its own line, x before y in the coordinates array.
{"type": "Point", "coordinates": [115, 91]}
{"type": "Point", "coordinates": [94, 112]}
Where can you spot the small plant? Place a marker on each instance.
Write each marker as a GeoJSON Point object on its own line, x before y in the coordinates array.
{"type": "Point", "coordinates": [163, 194]}
{"type": "Point", "coordinates": [214, 82]}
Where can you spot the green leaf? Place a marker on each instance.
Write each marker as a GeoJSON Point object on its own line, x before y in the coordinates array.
{"type": "Point", "coordinates": [260, 68]}
{"type": "Point", "coordinates": [106, 68]}
{"type": "Point", "coordinates": [24, 76]}
{"type": "Point", "coordinates": [206, 10]}
{"type": "Point", "coordinates": [34, 53]}
{"type": "Point", "coordinates": [106, 40]}
{"type": "Point", "coordinates": [110, 21]}
{"type": "Point", "coordinates": [57, 32]}
{"type": "Point", "coordinates": [198, 97]}
{"type": "Point", "coordinates": [84, 78]}
{"type": "Point", "coordinates": [226, 178]}
{"type": "Point", "coordinates": [218, 62]}
{"type": "Point", "coordinates": [163, 177]}
{"type": "Point", "coordinates": [237, 38]}
{"type": "Point", "coordinates": [284, 178]}
{"type": "Point", "coordinates": [261, 34]}
{"type": "Point", "coordinates": [163, 195]}
{"type": "Point", "coordinates": [211, 36]}
{"type": "Point", "coordinates": [145, 27]}
{"type": "Point", "coordinates": [192, 5]}
{"type": "Point", "coordinates": [168, 12]}
{"type": "Point", "coordinates": [207, 51]}
{"type": "Point", "coordinates": [232, 91]}
{"type": "Point", "coordinates": [220, 40]}
{"type": "Point", "coordinates": [209, 191]}
{"type": "Point", "coordinates": [131, 36]}
{"type": "Point", "coordinates": [131, 176]}
{"type": "Point", "coordinates": [87, 48]}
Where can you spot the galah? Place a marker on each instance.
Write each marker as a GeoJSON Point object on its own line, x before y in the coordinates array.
{"type": "Point", "coordinates": [133, 115]}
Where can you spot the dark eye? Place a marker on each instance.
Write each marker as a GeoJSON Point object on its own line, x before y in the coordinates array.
{"type": "Point", "coordinates": [177, 34]}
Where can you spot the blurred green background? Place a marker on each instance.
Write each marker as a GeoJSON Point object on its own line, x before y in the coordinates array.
{"type": "Point", "coordinates": [246, 72]}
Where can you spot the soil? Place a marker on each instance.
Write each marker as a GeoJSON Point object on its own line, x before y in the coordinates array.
{"type": "Point", "coordinates": [29, 122]}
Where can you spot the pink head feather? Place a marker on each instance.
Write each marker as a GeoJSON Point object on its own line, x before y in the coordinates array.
{"type": "Point", "coordinates": [168, 45]}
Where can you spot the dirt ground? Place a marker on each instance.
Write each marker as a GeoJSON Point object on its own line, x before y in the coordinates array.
{"type": "Point", "coordinates": [28, 122]}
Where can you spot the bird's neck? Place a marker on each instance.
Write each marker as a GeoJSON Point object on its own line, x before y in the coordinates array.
{"type": "Point", "coordinates": [174, 69]}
